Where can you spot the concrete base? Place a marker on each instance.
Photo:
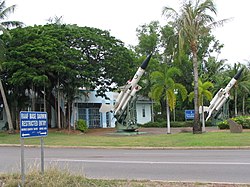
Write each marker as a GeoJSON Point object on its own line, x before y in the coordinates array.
{"type": "Point", "coordinates": [127, 133]}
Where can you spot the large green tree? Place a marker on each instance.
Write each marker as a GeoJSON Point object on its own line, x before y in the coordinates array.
{"type": "Point", "coordinates": [64, 57]}
{"type": "Point", "coordinates": [193, 21]}
{"type": "Point", "coordinates": [149, 38]}
{"type": "Point", "coordinates": [4, 25]}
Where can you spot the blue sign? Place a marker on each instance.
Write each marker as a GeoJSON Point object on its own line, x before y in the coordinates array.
{"type": "Point", "coordinates": [189, 114]}
{"type": "Point", "coordinates": [33, 124]}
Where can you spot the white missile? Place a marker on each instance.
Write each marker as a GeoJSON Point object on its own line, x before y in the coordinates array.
{"type": "Point", "coordinates": [222, 95]}
{"type": "Point", "coordinates": [128, 90]}
{"type": "Point", "coordinates": [131, 88]}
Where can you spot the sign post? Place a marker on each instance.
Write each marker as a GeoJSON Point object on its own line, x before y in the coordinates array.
{"type": "Point", "coordinates": [189, 114]}
{"type": "Point", "coordinates": [32, 125]}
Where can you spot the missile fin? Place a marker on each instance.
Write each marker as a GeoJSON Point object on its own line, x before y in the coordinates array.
{"type": "Point", "coordinates": [105, 108]}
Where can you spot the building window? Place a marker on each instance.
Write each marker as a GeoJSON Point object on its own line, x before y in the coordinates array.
{"type": "Point", "coordinates": [94, 118]}
{"type": "Point", "coordinates": [143, 111]}
{"type": "Point", "coordinates": [90, 115]}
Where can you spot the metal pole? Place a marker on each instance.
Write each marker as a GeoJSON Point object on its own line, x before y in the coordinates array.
{"type": "Point", "coordinates": [42, 156]}
{"type": "Point", "coordinates": [22, 161]}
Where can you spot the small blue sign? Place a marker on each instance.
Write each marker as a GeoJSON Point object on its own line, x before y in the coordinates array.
{"type": "Point", "coordinates": [189, 114]}
{"type": "Point", "coordinates": [33, 124]}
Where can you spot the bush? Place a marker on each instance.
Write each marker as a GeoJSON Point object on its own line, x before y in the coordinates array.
{"type": "Point", "coordinates": [243, 120]}
{"type": "Point", "coordinates": [223, 124]}
{"type": "Point", "coordinates": [81, 125]}
{"type": "Point", "coordinates": [162, 124]}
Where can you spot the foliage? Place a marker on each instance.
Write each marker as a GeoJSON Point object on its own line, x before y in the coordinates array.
{"type": "Point", "coordinates": [82, 125]}
{"type": "Point", "coordinates": [162, 124]}
{"type": "Point", "coordinates": [4, 29]}
{"type": "Point", "coordinates": [76, 55]}
{"type": "Point", "coordinates": [241, 120]}
{"type": "Point", "coordinates": [192, 22]}
{"type": "Point", "coordinates": [223, 124]}
{"type": "Point", "coordinates": [149, 38]}
{"type": "Point", "coordinates": [63, 58]}
{"type": "Point", "coordinates": [164, 85]}
{"type": "Point", "coordinates": [203, 91]}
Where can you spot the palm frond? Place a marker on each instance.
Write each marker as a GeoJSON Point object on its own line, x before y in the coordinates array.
{"type": "Point", "coordinates": [9, 24]}
{"type": "Point", "coordinates": [207, 94]}
{"type": "Point", "coordinates": [170, 96]}
{"type": "Point", "coordinates": [206, 85]}
{"type": "Point", "coordinates": [219, 23]}
{"type": "Point", "coordinates": [169, 12]}
{"type": "Point", "coordinates": [182, 90]}
{"type": "Point", "coordinates": [5, 12]}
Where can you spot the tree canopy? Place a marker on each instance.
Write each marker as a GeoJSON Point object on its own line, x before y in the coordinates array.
{"type": "Point", "coordinates": [81, 56]}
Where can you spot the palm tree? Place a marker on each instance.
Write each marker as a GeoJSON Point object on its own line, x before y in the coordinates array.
{"type": "Point", "coordinates": [242, 86]}
{"type": "Point", "coordinates": [204, 93]}
{"type": "Point", "coordinates": [230, 73]}
{"type": "Point", "coordinates": [4, 25]}
{"type": "Point", "coordinates": [193, 22]}
{"type": "Point", "coordinates": [164, 86]}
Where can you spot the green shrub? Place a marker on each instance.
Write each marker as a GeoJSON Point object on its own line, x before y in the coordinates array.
{"type": "Point", "coordinates": [154, 124]}
{"type": "Point", "coordinates": [81, 125]}
{"type": "Point", "coordinates": [243, 120]}
{"type": "Point", "coordinates": [223, 124]}
{"type": "Point", "coordinates": [162, 124]}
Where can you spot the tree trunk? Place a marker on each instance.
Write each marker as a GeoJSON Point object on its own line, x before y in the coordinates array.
{"type": "Point", "coordinates": [168, 117]}
{"type": "Point", "coordinates": [203, 117]}
{"type": "Point", "coordinates": [69, 114]}
{"type": "Point", "coordinates": [33, 99]}
{"type": "Point", "coordinates": [58, 106]}
{"type": "Point", "coordinates": [197, 126]}
{"type": "Point", "coordinates": [44, 98]}
{"type": "Point", "coordinates": [6, 107]}
{"type": "Point", "coordinates": [243, 105]}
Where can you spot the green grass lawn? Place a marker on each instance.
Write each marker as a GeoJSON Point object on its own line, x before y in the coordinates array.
{"type": "Point", "coordinates": [163, 140]}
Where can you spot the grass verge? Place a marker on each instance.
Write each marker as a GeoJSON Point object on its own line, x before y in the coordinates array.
{"type": "Point", "coordinates": [210, 139]}
{"type": "Point", "coordinates": [54, 177]}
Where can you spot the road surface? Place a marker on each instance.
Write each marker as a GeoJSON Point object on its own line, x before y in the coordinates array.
{"type": "Point", "coordinates": [232, 166]}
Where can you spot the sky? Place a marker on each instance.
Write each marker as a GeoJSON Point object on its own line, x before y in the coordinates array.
{"type": "Point", "coordinates": [122, 17]}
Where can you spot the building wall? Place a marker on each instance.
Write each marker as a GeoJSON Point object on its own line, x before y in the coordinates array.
{"type": "Point", "coordinates": [144, 113]}
{"type": "Point", "coordinates": [86, 107]}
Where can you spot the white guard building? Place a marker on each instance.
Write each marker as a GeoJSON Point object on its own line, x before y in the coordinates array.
{"type": "Point", "coordinates": [87, 107]}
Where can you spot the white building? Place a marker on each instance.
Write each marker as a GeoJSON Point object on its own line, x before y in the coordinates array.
{"type": "Point", "coordinates": [87, 108]}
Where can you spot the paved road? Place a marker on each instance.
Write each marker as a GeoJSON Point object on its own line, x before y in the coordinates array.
{"type": "Point", "coordinates": [172, 165]}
